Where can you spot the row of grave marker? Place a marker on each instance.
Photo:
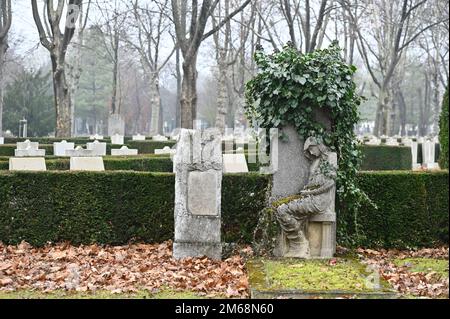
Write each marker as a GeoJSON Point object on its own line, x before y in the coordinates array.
{"type": "Point", "coordinates": [28, 156]}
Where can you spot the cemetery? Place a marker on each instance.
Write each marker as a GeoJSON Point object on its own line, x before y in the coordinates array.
{"type": "Point", "coordinates": [295, 204]}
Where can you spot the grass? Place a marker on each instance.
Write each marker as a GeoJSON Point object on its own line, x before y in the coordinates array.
{"type": "Point", "coordinates": [426, 265]}
{"type": "Point", "coordinates": [317, 275]}
{"type": "Point", "coordinates": [60, 294]}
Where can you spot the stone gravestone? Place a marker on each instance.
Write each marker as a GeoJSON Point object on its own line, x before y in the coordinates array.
{"type": "Point", "coordinates": [2, 140]}
{"type": "Point", "coordinates": [117, 139]}
{"type": "Point", "coordinates": [198, 185]}
{"type": "Point", "coordinates": [80, 152]}
{"type": "Point", "coordinates": [138, 137]}
{"type": "Point", "coordinates": [94, 164]}
{"type": "Point", "coordinates": [116, 125]}
{"type": "Point", "coordinates": [165, 150]}
{"type": "Point", "coordinates": [28, 149]}
{"type": "Point", "coordinates": [27, 164]}
{"type": "Point", "coordinates": [159, 138]}
{"type": "Point", "coordinates": [234, 163]}
{"type": "Point", "coordinates": [96, 137]}
{"type": "Point", "coordinates": [414, 151]}
{"type": "Point", "coordinates": [124, 151]}
{"type": "Point", "coordinates": [428, 155]}
{"type": "Point", "coordinates": [98, 148]}
{"type": "Point", "coordinates": [59, 149]}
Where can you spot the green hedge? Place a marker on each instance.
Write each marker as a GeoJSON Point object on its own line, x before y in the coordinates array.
{"type": "Point", "coordinates": [118, 207]}
{"type": "Point", "coordinates": [112, 207]}
{"type": "Point", "coordinates": [8, 149]}
{"type": "Point", "coordinates": [380, 157]}
{"type": "Point", "coordinates": [412, 211]}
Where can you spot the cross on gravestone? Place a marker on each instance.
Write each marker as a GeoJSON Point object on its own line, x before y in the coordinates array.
{"type": "Point", "coordinates": [198, 184]}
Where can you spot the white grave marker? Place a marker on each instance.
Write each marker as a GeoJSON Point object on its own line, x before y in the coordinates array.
{"type": "Point", "coordinates": [124, 151]}
{"type": "Point", "coordinates": [59, 149]}
{"type": "Point", "coordinates": [97, 147]}
{"type": "Point", "coordinates": [234, 163]}
{"type": "Point", "coordinates": [117, 139]}
{"type": "Point", "coordinates": [27, 164]}
{"type": "Point", "coordinates": [138, 137]}
{"type": "Point", "coordinates": [94, 164]}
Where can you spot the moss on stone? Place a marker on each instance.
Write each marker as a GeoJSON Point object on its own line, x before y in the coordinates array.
{"type": "Point", "coordinates": [314, 275]}
{"type": "Point", "coordinates": [285, 200]}
{"type": "Point", "coordinates": [426, 265]}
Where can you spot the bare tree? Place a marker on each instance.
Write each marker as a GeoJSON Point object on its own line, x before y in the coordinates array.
{"type": "Point", "coordinates": [393, 26]}
{"type": "Point", "coordinates": [189, 38]}
{"type": "Point", "coordinates": [74, 64]}
{"type": "Point", "coordinates": [57, 42]}
{"type": "Point", "coordinates": [151, 24]}
{"type": "Point", "coordinates": [5, 25]}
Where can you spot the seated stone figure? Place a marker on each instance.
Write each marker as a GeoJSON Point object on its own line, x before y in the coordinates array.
{"type": "Point", "coordinates": [317, 197]}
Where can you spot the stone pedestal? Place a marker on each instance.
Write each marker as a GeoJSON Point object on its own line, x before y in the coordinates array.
{"type": "Point", "coordinates": [198, 185]}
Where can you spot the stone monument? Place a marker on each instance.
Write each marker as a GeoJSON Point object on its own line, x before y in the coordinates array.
{"type": "Point", "coordinates": [293, 166]}
{"type": "Point", "coordinates": [308, 219]}
{"type": "Point", "coordinates": [198, 185]}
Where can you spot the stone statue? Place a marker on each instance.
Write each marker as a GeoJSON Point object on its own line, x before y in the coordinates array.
{"type": "Point", "coordinates": [317, 197]}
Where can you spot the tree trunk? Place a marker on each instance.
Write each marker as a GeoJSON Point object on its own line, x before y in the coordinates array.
{"type": "Point", "coordinates": [178, 106]}
{"type": "Point", "coordinates": [155, 102]}
{"type": "Point", "coordinates": [189, 92]}
{"type": "Point", "coordinates": [2, 60]}
{"type": "Point", "coordinates": [62, 98]}
{"type": "Point", "coordinates": [222, 97]}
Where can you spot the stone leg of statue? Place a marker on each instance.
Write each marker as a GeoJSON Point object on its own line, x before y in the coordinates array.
{"type": "Point", "coordinates": [293, 228]}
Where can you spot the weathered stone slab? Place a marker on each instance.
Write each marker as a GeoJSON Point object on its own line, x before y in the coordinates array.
{"type": "Point", "coordinates": [2, 140]}
{"type": "Point", "coordinates": [98, 148]}
{"type": "Point", "coordinates": [234, 163]}
{"type": "Point", "coordinates": [202, 193]}
{"type": "Point", "coordinates": [350, 280]}
{"type": "Point", "coordinates": [116, 125]}
{"type": "Point", "coordinates": [165, 150]}
{"type": "Point", "coordinates": [87, 164]}
{"type": "Point", "coordinates": [293, 167]}
{"type": "Point", "coordinates": [159, 138]}
{"type": "Point", "coordinates": [138, 137]}
{"type": "Point", "coordinates": [117, 139]}
{"type": "Point", "coordinates": [29, 153]}
{"type": "Point", "coordinates": [27, 164]}
{"type": "Point", "coordinates": [79, 152]}
{"type": "Point", "coordinates": [96, 137]}
{"type": "Point", "coordinates": [60, 148]}
{"type": "Point", "coordinates": [124, 151]}
{"type": "Point", "coordinates": [198, 180]}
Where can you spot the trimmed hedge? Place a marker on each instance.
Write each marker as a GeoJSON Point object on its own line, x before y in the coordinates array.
{"type": "Point", "coordinates": [119, 207]}
{"type": "Point", "coordinates": [112, 207]}
{"type": "Point", "coordinates": [8, 149]}
{"type": "Point", "coordinates": [380, 157]}
{"type": "Point", "coordinates": [412, 211]}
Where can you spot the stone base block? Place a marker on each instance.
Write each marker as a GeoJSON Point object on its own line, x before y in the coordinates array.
{"type": "Point", "coordinates": [87, 164]}
{"type": "Point", "coordinates": [27, 164]}
{"type": "Point", "coordinates": [186, 249]}
{"type": "Point", "coordinates": [199, 229]}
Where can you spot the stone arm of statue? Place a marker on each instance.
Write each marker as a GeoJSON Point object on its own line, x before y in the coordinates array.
{"type": "Point", "coordinates": [320, 190]}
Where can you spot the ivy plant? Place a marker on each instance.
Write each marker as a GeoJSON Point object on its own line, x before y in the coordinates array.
{"type": "Point", "coordinates": [289, 88]}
